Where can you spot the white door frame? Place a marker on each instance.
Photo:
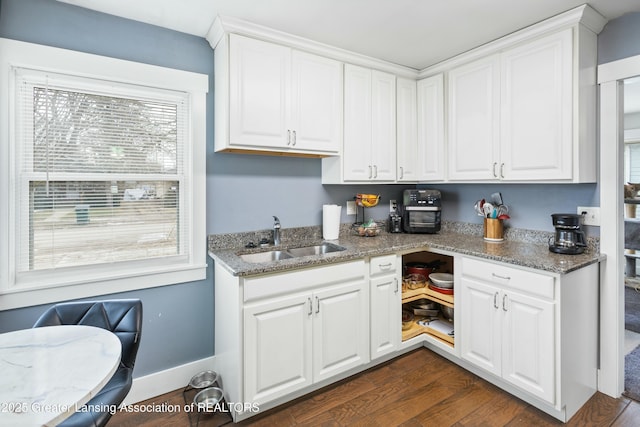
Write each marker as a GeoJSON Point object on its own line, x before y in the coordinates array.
{"type": "Point", "coordinates": [610, 77]}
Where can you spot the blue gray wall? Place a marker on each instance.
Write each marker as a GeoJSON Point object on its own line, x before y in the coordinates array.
{"type": "Point", "coordinates": [620, 38]}
{"type": "Point", "coordinates": [178, 319]}
{"type": "Point", "coordinates": [243, 191]}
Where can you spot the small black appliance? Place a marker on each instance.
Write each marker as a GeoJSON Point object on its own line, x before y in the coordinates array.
{"type": "Point", "coordinates": [569, 238]}
{"type": "Point", "coordinates": [395, 223]}
{"type": "Point", "coordinates": [421, 211]}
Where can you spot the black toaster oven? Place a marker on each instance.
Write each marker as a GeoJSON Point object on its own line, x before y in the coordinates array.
{"type": "Point", "coordinates": [422, 211]}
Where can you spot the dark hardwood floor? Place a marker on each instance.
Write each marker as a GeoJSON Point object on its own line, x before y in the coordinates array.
{"type": "Point", "coordinates": [419, 388]}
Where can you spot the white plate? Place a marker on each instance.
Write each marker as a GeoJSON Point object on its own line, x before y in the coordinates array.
{"type": "Point", "coordinates": [443, 280]}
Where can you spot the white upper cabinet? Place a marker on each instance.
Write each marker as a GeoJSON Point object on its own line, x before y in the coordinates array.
{"type": "Point", "coordinates": [407, 130]}
{"type": "Point", "coordinates": [278, 99]}
{"type": "Point", "coordinates": [536, 97]}
{"type": "Point", "coordinates": [474, 119]}
{"type": "Point", "coordinates": [431, 145]}
{"type": "Point", "coordinates": [525, 113]}
{"type": "Point", "coordinates": [369, 148]}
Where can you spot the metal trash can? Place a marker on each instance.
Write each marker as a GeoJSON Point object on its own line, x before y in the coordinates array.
{"type": "Point", "coordinates": [82, 214]}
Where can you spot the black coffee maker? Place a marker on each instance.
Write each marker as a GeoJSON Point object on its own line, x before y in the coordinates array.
{"type": "Point", "coordinates": [569, 238]}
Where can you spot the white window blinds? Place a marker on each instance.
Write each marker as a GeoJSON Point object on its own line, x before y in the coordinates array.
{"type": "Point", "coordinates": [100, 172]}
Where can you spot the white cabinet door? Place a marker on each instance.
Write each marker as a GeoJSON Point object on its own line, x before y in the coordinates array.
{"type": "Point", "coordinates": [383, 126]}
{"type": "Point", "coordinates": [528, 352]}
{"type": "Point", "coordinates": [407, 131]}
{"type": "Point", "coordinates": [369, 149]}
{"type": "Point", "coordinates": [431, 147]}
{"type": "Point", "coordinates": [316, 107]}
{"type": "Point", "coordinates": [340, 329]}
{"type": "Point", "coordinates": [536, 130]}
{"type": "Point", "coordinates": [481, 329]}
{"type": "Point", "coordinates": [386, 302]}
{"type": "Point", "coordinates": [356, 151]}
{"type": "Point", "coordinates": [474, 120]}
{"type": "Point", "coordinates": [259, 92]}
{"type": "Point", "coordinates": [277, 347]}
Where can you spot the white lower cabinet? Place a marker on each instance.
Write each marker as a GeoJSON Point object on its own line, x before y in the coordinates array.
{"type": "Point", "coordinates": [386, 296]}
{"type": "Point", "coordinates": [279, 336]}
{"type": "Point", "coordinates": [533, 331]}
{"type": "Point", "coordinates": [510, 335]}
{"type": "Point", "coordinates": [317, 331]}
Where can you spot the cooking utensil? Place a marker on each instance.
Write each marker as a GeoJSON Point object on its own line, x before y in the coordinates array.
{"type": "Point", "coordinates": [446, 311]}
{"type": "Point", "coordinates": [445, 291]}
{"type": "Point", "coordinates": [496, 198]}
{"type": "Point", "coordinates": [487, 209]}
{"type": "Point", "coordinates": [415, 281]}
{"type": "Point", "coordinates": [478, 207]}
{"type": "Point", "coordinates": [443, 280]}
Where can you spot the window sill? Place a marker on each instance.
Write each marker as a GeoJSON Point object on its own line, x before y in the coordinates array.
{"type": "Point", "coordinates": [16, 298]}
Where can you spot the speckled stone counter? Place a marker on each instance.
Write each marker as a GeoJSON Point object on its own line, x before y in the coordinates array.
{"type": "Point", "coordinates": [526, 248]}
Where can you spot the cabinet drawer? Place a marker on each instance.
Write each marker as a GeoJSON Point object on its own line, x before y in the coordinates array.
{"type": "Point", "coordinates": [522, 280]}
{"type": "Point", "coordinates": [383, 264]}
{"type": "Point", "coordinates": [301, 280]}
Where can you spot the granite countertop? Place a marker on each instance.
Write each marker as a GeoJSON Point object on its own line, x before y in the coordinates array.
{"type": "Point", "coordinates": [524, 248]}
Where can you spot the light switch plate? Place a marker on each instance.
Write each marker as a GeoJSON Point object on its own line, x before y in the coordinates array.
{"type": "Point", "coordinates": [591, 215]}
{"type": "Point", "coordinates": [392, 206]}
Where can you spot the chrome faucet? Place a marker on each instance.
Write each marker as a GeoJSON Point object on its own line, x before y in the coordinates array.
{"type": "Point", "coordinates": [276, 231]}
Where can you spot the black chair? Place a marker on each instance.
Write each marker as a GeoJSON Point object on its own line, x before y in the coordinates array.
{"type": "Point", "coordinates": [123, 317]}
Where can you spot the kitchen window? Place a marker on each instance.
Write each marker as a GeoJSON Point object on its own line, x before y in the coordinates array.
{"type": "Point", "coordinates": [103, 173]}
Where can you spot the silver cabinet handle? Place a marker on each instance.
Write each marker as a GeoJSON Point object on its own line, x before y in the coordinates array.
{"type": "Point", "coordinates": [504, 303]}
{"type": "Point", "coordinates": [385, 266]}
{"type": "Point", "coordinates": [396, 280]}
{"type": "Point", "coordinates": [294, 138]}
{"type": "Point", "coordinates": [401, 172]}
{"type": "Point", "coordinates": [495, 175]}
{"type": "Point", "coordinates": [375, 171]}
{"type": "Point", "coordinates": [317, 305]}
{"type": "Point", "coordinates": [310, 307]}
{"type": "Point", "coordinates": [501, 277]}
{"type": "Point", "coordinates": [502, 170]}
{"type": "Point", "coordinates": [288, 136]}
{"type": "Point", "coordinates": [495, 301]}
{"type": "Point", "coordinates": [370, 171]}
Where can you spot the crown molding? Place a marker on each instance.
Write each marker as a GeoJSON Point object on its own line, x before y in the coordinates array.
{"type": "Point", "coordinates": [582, 15]}
{"type": "Point", "coordinates": [223, 25]}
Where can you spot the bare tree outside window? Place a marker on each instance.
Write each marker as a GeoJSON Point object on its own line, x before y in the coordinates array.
{"type": "Point", "coordinates": [105, 183]}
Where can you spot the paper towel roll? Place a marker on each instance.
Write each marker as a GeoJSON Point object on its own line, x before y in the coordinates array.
{"type": "Point", "coordinates": [331, 221]}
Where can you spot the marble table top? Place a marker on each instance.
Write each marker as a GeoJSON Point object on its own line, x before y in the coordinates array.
{"type": "Point", "coordinates": [48, 373]}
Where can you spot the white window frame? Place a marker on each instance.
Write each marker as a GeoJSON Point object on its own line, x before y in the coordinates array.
{"type": "Point", "coordinates": [86, 281]}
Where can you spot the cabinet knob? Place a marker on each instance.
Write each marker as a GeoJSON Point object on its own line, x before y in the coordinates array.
{"type": "Point", "coordinates": [370, 172]}
{"type": "Point", "coordinates": [495, 301]}
{"type": "Point", "coordinates": [502, 170]}
{"type": "Point", "coordinates": [317, 305]}
{"type": "Point", "coordinates": [375, 171]}
{"type": "Point", "coordinates": [504, 302]}
{"type": "Point", "coordinates": [288, 137]}
{"type": "Point", "coordinates": [310, 307]}
{"type": "Point", "coordinates": [401, 172]}
{"type": "Point", "coordinates": [294, 138]}
{"type": "Point", "coordinates": [495, 175]}
{"type": "Point", "coordinates": [396, 280]}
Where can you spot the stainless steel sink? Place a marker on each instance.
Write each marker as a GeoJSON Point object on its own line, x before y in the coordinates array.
{"type": "Point", "coordinates": [267, 256]}
{"type": "Point", "coordinates": [277, 254]}
{"type": "Point", "coordinates": [322, 249]}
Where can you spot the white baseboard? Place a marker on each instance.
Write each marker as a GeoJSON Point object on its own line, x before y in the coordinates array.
{"type": "Point", "coordinates": [162, 382]}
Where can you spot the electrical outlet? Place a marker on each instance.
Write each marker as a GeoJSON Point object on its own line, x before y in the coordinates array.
{"type": "Point", "coordinates": [392, 205]}
{"type": "Point", "coordinates": [591, 215]}
{"type": "Point", "coordinates": [351, 207]}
